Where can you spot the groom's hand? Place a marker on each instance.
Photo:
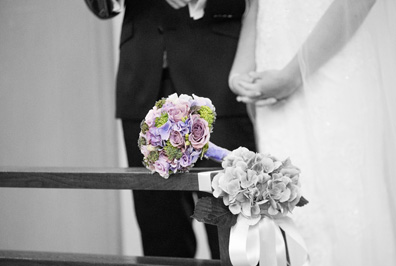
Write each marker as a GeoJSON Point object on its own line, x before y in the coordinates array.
{"type": "Point", "coordinates": [176, 4]}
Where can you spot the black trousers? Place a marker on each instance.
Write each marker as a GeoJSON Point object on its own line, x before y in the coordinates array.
{"type": "Point", "coordinates": [164, 216]}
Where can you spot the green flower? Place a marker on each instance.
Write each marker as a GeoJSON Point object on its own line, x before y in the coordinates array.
{"type": "Point", "coordinates": [160, 121]}
{"type": "Point", "coordinates": [172, 152]}
{"type": "Point", "coordinates": [160, 103]}
{"type": "Point", "coordinates": [206, 113]}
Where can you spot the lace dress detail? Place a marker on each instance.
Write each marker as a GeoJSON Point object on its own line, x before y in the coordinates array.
{"type": "Point", "coordinates": [283, 25]}
{"type": "Point", "coordinates": [326, 128]}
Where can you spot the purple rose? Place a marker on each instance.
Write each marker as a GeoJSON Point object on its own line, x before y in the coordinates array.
{"type": "Point", "coordinates": [163, 156]}
{"type": "Point", "coordinates": [151, 116]}
{"type": "Point", "coordinates": [176, 139]}
{"type": "Point", "coordinates": [167, 105]}
{"type": "Point", "coordinates": [185, 160]}
{"type": "Point", "coordinates": [161, 166]}
{"type": "Point", "coordinates": [177, 112]}
{"type": "Point", "coordinates": [190, 156]}
{"type": "Point", "coordinates": [199, 132]}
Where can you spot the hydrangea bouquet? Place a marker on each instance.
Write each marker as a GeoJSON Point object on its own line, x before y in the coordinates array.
{"type": "Point", "coordinates": [253, 185]}
{"type": "Point", "coordinates": [253, 195]}
{"type": "Point", "coordinates": [175, 134]}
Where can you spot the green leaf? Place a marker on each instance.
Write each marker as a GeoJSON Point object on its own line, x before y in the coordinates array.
{"type": "Point", "coordinates": [212, 210]}
{"type": "Point", "coordinates": [144, 127]}
{"type": "Point", "coordinates": [303, 201]}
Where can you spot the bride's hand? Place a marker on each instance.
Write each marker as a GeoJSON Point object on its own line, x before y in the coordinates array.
{"type": "Point", "coordinates": [272, 85]}
{"type": "Point", "coordinates": [239, 82]}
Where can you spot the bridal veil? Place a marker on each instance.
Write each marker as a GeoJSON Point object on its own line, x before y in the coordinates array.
{"type": "Point", "coordinates": [362, 70]}
{"type": "Point", "coordinates": [340, 126]}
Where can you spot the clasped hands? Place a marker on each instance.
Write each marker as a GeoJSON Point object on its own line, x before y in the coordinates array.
{"type": "Point", "coordinates": [262, 88]}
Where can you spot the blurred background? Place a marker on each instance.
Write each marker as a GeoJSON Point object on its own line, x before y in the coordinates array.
{"type": "Point", "coordinates": [58, 64]}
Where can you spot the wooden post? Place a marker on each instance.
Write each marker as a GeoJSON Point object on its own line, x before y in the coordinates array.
{"type": "Point", "coordinates": [224, 239]}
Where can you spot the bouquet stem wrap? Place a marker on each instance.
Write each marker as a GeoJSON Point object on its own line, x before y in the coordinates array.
{"type": "Point", "coordinates": [253, 241]}
{"type": "Point", "coordinates": [216, 153]}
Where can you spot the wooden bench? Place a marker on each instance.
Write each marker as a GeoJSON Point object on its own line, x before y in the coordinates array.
{"type": "Point", "coordinates": [102, 178]}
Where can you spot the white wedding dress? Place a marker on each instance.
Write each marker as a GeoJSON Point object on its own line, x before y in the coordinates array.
{"type": "Point", "coordinates": [337, 130]}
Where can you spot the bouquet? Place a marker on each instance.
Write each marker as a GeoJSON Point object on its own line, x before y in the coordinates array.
{"type": "Point", "coordinates": [253, 195]}
{"type": "Point", "coordinates": [253, 185]}
{"type": "Point", "coordinates": [175, 133]}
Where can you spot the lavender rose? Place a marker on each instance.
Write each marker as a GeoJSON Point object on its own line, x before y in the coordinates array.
{"type": "Point", "coordinates": [161, 166]}
{"type": "Point", "coordinates": [185, 160]}
{"type": "Point", "coordinates": [151, 116]}
{"type": "Point", "coordinates": [178, 111]}
{"type": "Point", "coordinates": [199, 132]}
{"type": "Point", "coordinates": [176, 139]}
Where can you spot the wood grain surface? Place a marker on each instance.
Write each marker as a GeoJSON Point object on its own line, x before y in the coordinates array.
{"type": "Point", "coordinates": [137, 178]}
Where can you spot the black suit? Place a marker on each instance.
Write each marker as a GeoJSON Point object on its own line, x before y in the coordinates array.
{"type": "Point", "coordinates": [199, 55]}
{"type": "Point", "coordinates": [199, 52]}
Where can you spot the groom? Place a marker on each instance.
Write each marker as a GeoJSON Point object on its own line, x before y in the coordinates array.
{"type": "Point", "coordinates": [164, 50]}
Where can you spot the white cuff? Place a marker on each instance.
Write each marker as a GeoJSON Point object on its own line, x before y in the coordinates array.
{"type": "Point", "coordinates": [196, 8]}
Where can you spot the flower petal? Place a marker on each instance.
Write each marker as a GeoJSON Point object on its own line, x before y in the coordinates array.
{"type": "Point", "coordinates": [272, 211]}
{"type": "Point", "coordinates": [235, 208]}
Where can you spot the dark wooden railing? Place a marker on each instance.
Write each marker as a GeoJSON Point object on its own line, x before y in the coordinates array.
{"type": "Point", "coordinates": [101, 178]}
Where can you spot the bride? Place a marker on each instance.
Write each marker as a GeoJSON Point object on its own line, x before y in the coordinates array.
{"type": "Point", "coordinates": [319, 78]}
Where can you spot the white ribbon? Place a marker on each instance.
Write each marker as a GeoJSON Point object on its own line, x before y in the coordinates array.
{"type": "Point", "coordinates": [297, 249]}
{"type": "Point", "coordinates": [261, 240]}
{"type": "Point", "coordinates": [244, 238]}
{"type": "Point", "coordinates": [196, 8]}
{"type": "Point", "coordinates": [205, 181]}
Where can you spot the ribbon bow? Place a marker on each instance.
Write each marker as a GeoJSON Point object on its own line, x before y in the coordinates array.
{"type": "Point", "coordinates": [261, 240]}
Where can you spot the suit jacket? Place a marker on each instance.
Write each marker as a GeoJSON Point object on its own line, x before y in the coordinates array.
{"type": "Point", "coordinates": [199, 54]}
